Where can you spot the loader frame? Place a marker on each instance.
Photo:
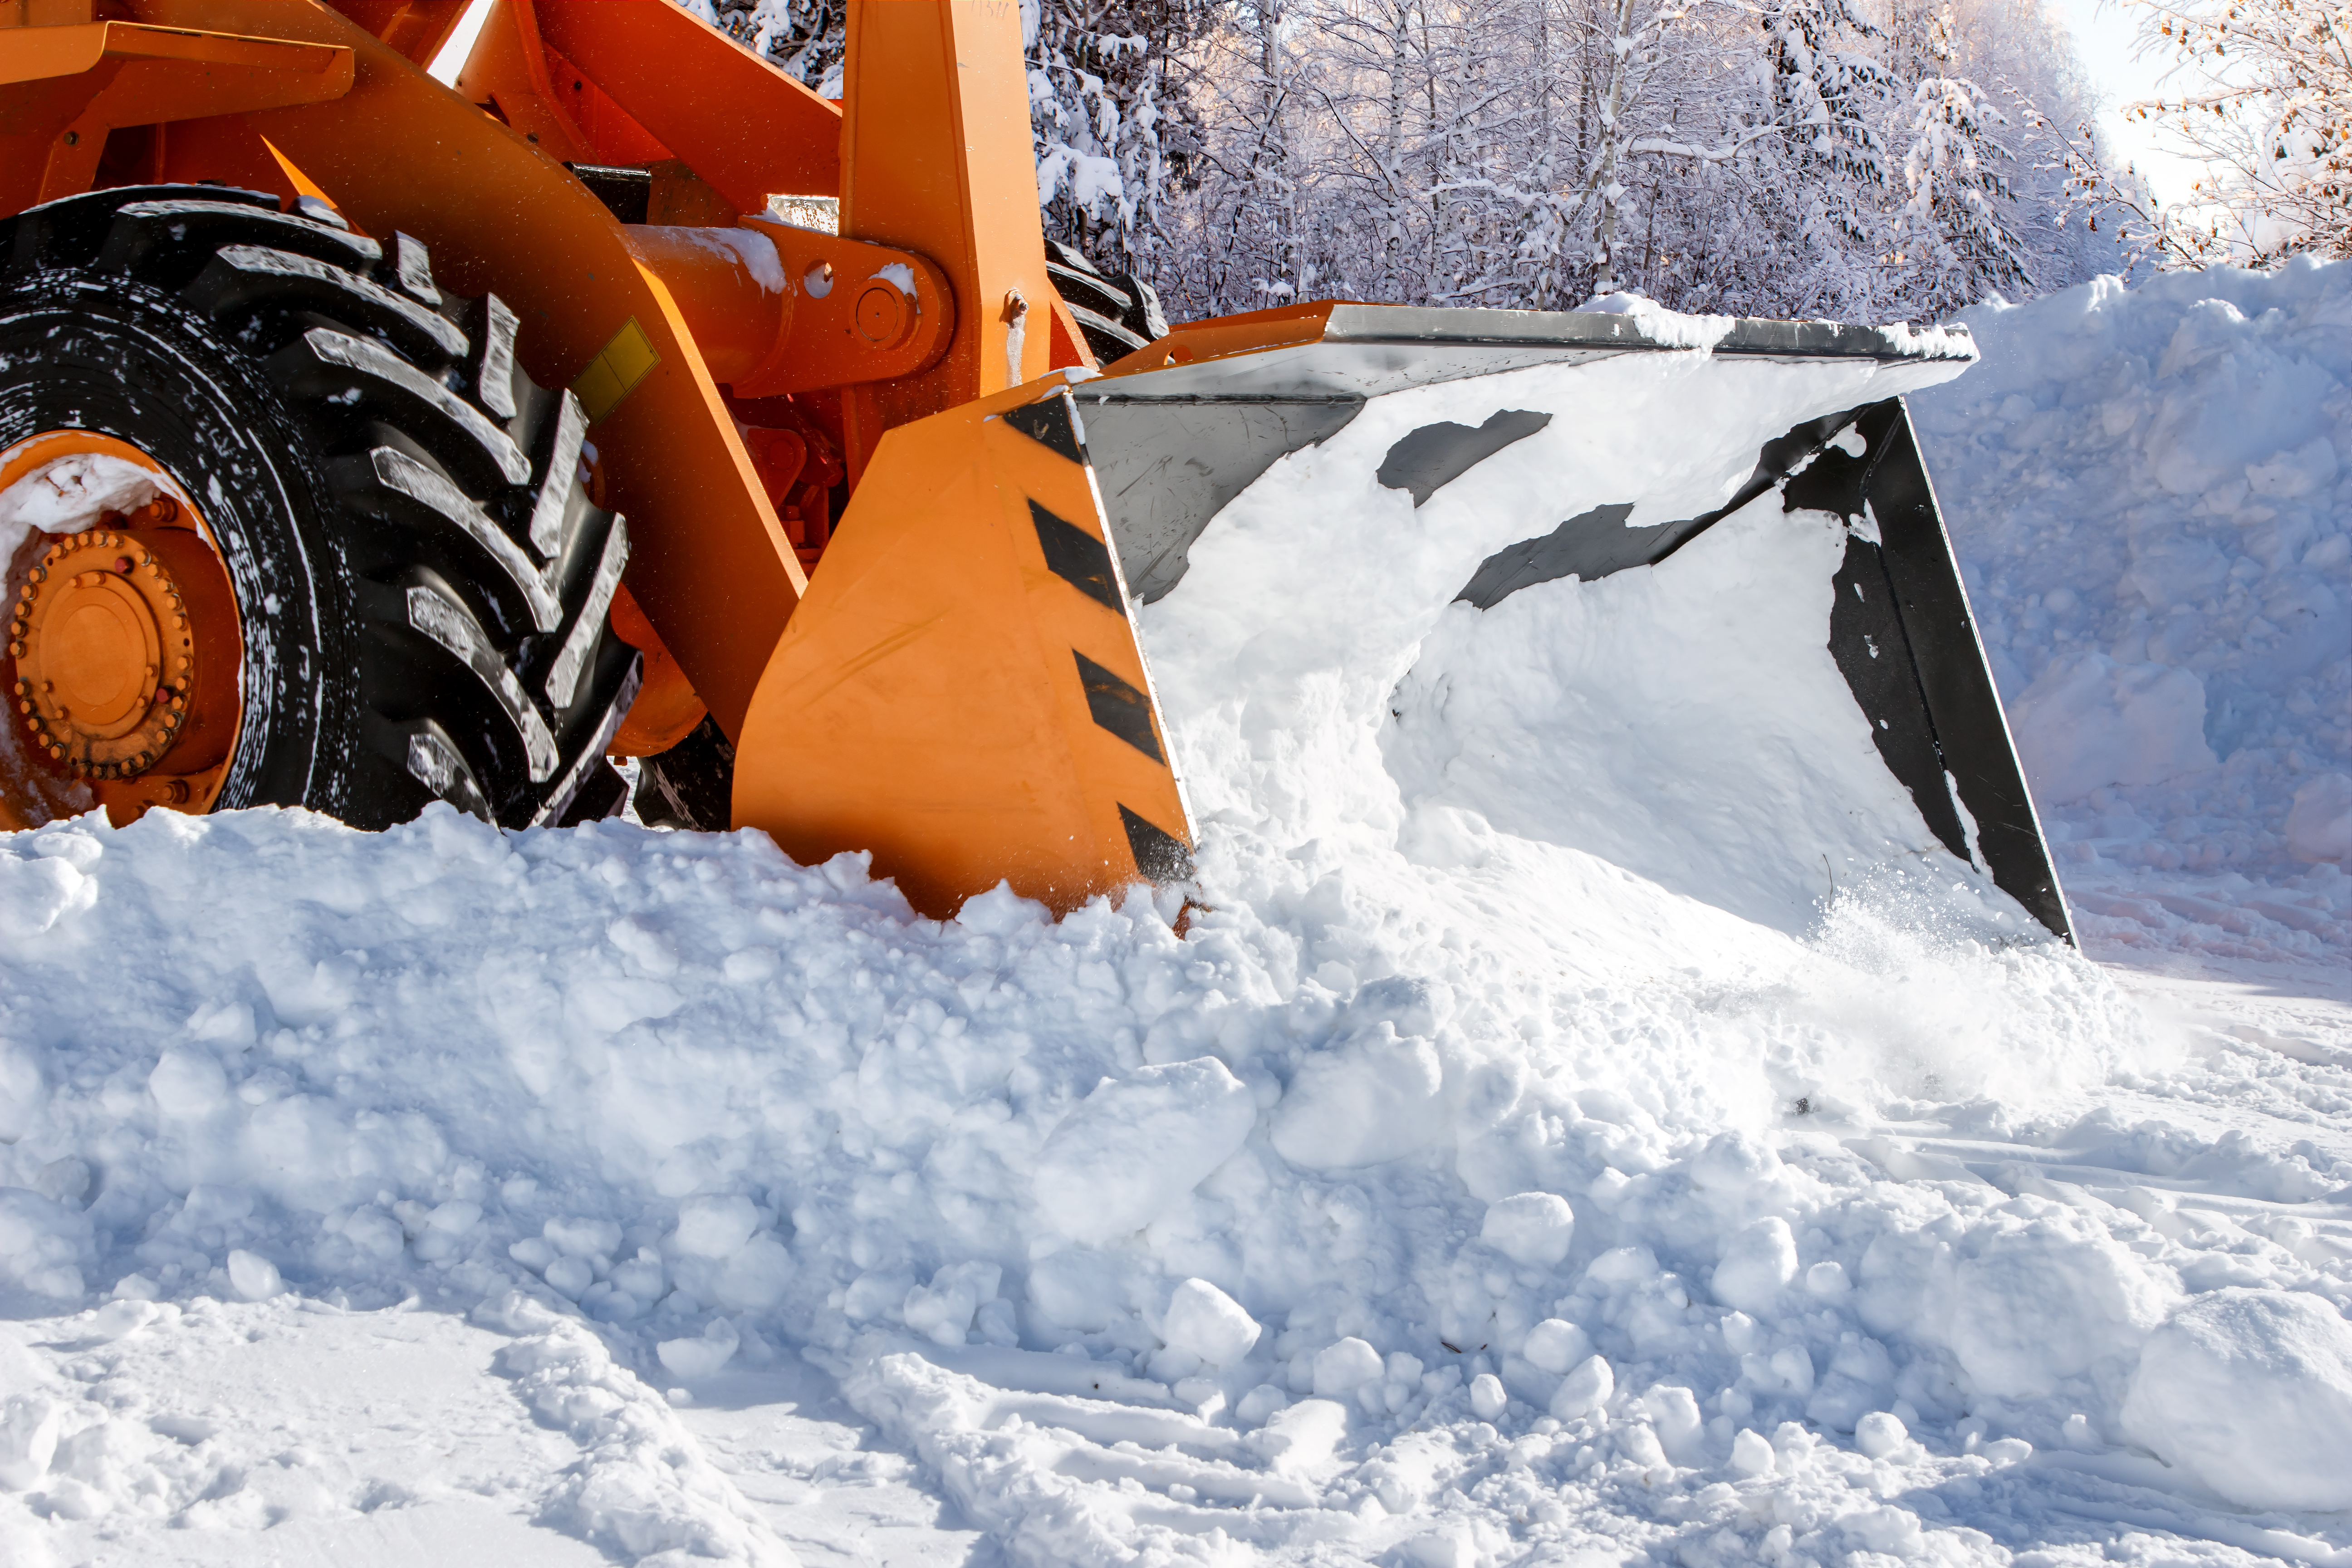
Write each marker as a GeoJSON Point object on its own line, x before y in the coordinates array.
{"type": "Point", "coordinates": [964, 696]}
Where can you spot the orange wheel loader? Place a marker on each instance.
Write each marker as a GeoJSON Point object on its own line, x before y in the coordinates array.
{"type": "Point", "coordinates": [367, 441]}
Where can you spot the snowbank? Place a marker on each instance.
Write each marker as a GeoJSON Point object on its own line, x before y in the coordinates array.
{"type": "Point", "coordinates": [1518, 1154]}
{"type": "Point", "coordinates": [2151, 494]}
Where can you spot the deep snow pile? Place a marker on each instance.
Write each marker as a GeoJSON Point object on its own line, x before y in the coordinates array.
{"type": "Point", "coordinates": [734, 1108]}
{"type": "Point", "coordinates": [2151, 495]}
{"type": "Point", "coordinates": [1480, 1177]}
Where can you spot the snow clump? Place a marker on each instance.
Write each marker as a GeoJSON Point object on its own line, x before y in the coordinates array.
{"type": "Point", "coordinates": [2251, 1393]}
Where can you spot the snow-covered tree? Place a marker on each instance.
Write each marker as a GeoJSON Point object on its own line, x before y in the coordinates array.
{"type": "Point", "coordinates": [1955, 228]}
{"type": "Point", "coordinates": [1867, 159]}
{"type": "Point", "coordinates": [1113, 126]}
{"type": "Point", "coordinates": [2262, 93]}
{"type": "Point", "coordinates": [1805, 157]}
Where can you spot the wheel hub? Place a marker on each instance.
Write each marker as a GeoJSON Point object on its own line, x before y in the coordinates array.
{"type": "Point", "coordinates": [121, 647]}
{"type": "Point", "coordinates": [105, 652]}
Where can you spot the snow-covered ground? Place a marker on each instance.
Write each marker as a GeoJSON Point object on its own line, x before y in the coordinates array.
{"type": "Point", "coordinates": [1519, 1159]}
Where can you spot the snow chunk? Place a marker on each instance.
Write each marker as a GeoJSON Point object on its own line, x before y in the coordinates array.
{"type": "Point", "coordinates": [1371, 1095]}
{"type": "Point", "coordinates": [72, 493]}
{"type": "Point", "coordinates": [1340, 1368]}
{"type": "Point", "coordinates": [42, 1244]}
{"type": "Point", "coordinates": [2042, 1303]}
{"type": "Point", "coordinates": [2319, 824]}
{"type": "Point", "coordinates": [1208, 1323]}
{"type": "Point", "coordinates": [1555, 1344]}
{"type": "Point", "coordinates": [1259, 1403]}
{"type": "Point", "coordinates": [577, 1237]}
{"type": "Point", "coordinates": [22, 1090]}
{"type": "Point", "coordinates": [694, 1360]}
{"type": "Point", "coordinates": [756, 1277]}
{"type": "Point", "coordinates": [188, 1083]}
{"type": "Point", "coordinates": [1135, 1146]}
{"type": "Point", "coordinates": [714, 1228]}
{"type": "Point", "coordinates": [1302, 1439]}
{"type": "Point", "coordinates": [35, 894]}
{"type": "Point", "coordinates": [1880, 1434]}
{"type": "Point", "coordinates": [1892, 1531]}
{"type": "Point", "coordinates": [2089, 721]}
{"type": "Point", "coordinates": [2308, 468]}
{"type": "Point", "coordinates": [253, 1277]}
{"type": "Point", "coordinates": [2251, 1392]}
{"type": "Point", "coordinates": [1756, 1266]}
{"type": "Point", "coordinates": [1588, 1388]}
{"type": "Point", "coordinates": [28, 1437]}
{"type": "Point", "coordinates": [1533, 1228]}
{"type": "Point", "coordinates": [1659, 324]}
{"type": "Point", "coordinates": [943, 1309]}
{"type": "Point", "coordinates": [754, 252]}
{"type": "Point", "coordinates": [1372, 1100]}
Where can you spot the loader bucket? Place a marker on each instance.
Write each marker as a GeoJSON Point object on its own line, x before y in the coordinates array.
{"type": "Point", "coordinates": [1507, 450]}
{"type": "Point", "coordinates": [1301, 480]}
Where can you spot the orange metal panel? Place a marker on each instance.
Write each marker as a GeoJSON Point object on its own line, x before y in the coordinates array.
{"type": "Point", "coordinates": [508, 73]}
{"type": "Point", "coordinates": [928, 701]}
{"type": "Point", "coordinates": [418, 28]}
{"type": "Point", "coordinates": [87, 79]}
{"type": "Point", "coordinates": [712, 568]}
{"type": "Point", "coordinates": [220, 148]}
{"type": "Point", "coordinates": [37, 52]}
{"type": "Point", "coordinates": [1070, 350]}
{"type": "Point", "coordinates": [936, 159]}
{"type": "Point", "coordinates": [36, 116]}
{"type": "Point", "coordinates": [609, 130]}
{"type": "Point", "coordinates": [737, 120]}
{"type": "Point", "coordinates": [45, 13]}
{"type": "Point", "coordinates": [1247, 334]}
{"type": "Point", "coordinates": [666, 709]}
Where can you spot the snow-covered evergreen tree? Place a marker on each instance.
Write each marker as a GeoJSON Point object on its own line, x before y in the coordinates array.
{"type": "Point", "coordinates": [1953, 230]}
{"type": "Point", "coordinates": [1114, 127]}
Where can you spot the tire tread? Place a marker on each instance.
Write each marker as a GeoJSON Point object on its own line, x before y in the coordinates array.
{"type": "Point", "coordinates": [481, 573]}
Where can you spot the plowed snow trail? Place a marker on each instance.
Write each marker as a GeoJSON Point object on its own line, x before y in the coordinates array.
{"type": "Point", "coordinates": [1477, 1181]}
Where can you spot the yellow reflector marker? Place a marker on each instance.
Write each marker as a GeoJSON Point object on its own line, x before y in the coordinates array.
{"type": "Point", "coordinates": [616, 371]}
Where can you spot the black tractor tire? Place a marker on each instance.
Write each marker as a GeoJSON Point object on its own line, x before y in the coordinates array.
{"type": "Point", "coordinates": [692, 784]}
{"type": "Point", "coordinates": [421, 580]}
{"type": "Point", "coordinates": [1117, 314]}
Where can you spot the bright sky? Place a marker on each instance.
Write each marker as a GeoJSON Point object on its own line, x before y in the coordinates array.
{"type": "Point", "coordinates": [452, 58]}
{"type": "Point", "coordinates": [2106, 36]}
